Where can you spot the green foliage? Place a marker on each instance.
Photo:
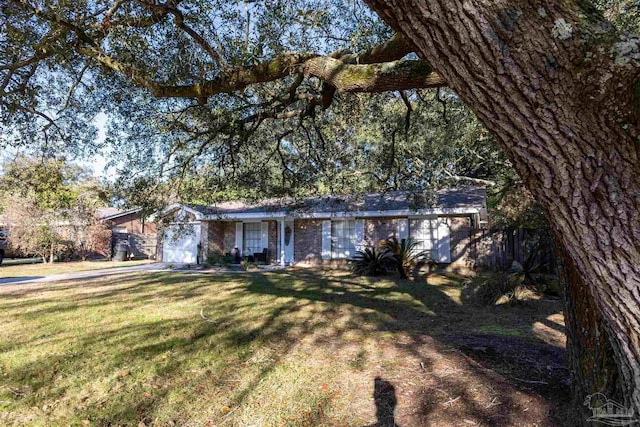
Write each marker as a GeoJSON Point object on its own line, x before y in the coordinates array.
{"type": "Point", "coordinates": [50, 206]}
{"type": "Point", "coordinates": [550, 285]}
{"type": "Point", "coordinates": [372, 261]}
{"type": "Point", "coordinates": [46, 180]}
{"type": "Point", "coordinates": [533, 273]}
{"type": "Point", "coordinates": [167, 150]}
{"type": "Point", "coordinates": [495, 288]}
{"type": "Point", "coordinates": [52, 182]}
{"type": "Point", "coordinates": [247, 265]}
{"type": "Point", "coordinates": [512, 205]}
{"type": "Point", "coordinates": [232, 145]}
{"type": "Point", "coordinates": [217, 259]}
{"type": "Point", "coordinates": [624, 14]}
{"type": "Point", "coordinates": [521, 282]}
{"type": "Point", "coordinates": [33, 229]}
{"type": "Point", "coordinates": [405, 254]}
{"type": "Point", "coordinates": [213, 259]}
{"type": "Point", "coordinates": [528, 270]}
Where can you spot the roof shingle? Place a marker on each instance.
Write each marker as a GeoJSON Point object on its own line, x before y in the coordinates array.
{"type": "Point", "coordinates": [446, 199]}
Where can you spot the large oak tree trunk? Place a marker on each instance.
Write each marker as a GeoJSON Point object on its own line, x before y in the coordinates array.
{"type": "Point", "coordinates": [590, 356]}
{"type": "Point", "coordinates": [566, 113]}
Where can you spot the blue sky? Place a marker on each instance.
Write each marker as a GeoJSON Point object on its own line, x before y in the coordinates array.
{"type": "Point", "coordinates": [98, 163]}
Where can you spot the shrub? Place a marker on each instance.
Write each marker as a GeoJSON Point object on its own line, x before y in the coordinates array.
{"type": "Point", "coordinates": [496, 288]}
{"type": "Point", "coordinates": [225, 261]}
{"type": "Point", "coordinates": [549, 285]}
{"type": "Point", "coordinates": [372, 261]}
{"type": "Point", "coordinates": [530, 275]}
{"type": "Point", "coordinates": [95, 239]}
{"type": "Point", "coordinates": [245, 265]}
{"type": "Point", "coordinates": [213, 259]}
{"type": "Point", "coordinates": [405, 254]}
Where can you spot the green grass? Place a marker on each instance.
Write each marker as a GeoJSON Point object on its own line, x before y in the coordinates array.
{"type": "Point", "coordinates": [40, 269]}
{"type": "Point", "coordinates": [286, 348]}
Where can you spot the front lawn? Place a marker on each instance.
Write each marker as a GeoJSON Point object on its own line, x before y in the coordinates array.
{"type": "Point", "coordinates": [286, 348]}
{"type": "Point", "coordinates": [41, 269]}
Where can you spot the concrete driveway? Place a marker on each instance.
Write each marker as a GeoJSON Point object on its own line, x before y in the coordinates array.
{"type": "Point", "coordinates": [83, 274]}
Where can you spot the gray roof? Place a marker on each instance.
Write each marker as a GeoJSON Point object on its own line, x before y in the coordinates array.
{"type": "Point", "coordinates": [111, 213]}
{"type": "Point", "coordinates": [444, 200]}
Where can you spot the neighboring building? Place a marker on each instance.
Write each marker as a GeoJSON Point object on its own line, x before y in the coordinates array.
{"type": "Point", "coordinates": [325, 230]}
{"type": "Point", "coordinates": [126, 221]}
{"type": "Point", "coordinates": [131, 227]}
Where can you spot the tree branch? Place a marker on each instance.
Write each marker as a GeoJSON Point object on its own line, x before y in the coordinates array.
{"type": "Point", "coordinates": [397, 75]}
{"type": "Point", "coordinates": [179, 21]}
{"type": "Point", "coordinates": [346, 72]}
{"type": "Point", "coordinates": [480, 181]}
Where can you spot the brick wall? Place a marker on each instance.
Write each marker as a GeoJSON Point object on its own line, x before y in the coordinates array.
{"type": "Point", "coordinates": [132, 223]}
{"type": "Point", "coordinates": [307, 241]}
{"type": "Point", "coordinates": [215, 236]}
{"type": "Point", "coordinates": [220, 238]}
{"type": "Point", "coordinates": [228, 236]}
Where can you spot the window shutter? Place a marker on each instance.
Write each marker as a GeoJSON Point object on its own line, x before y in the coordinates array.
{"type": "Point", "coordinates": [444, 244]}
{"type": "Point", "coordinates": [265, 235]}
{"type": "Point", "coordinates": [239, 237]}
{"type": "Point", "coordinates": [326, 239]}
{"type": "Point", "coordinates": [359, 243]}
{"type": "Point", "coordinates": [403, 228]}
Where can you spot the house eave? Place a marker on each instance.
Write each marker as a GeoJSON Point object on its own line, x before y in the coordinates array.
{"type": "Point", "coordinates": [120, 214]}
{"type": "Point", "coordinates": [176, 206]}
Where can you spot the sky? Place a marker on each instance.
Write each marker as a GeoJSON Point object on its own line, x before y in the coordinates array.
{"type": "Point", "coordinates": [98, 163]}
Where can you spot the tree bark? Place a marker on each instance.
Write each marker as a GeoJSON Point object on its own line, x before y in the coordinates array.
{"type": "Point", "coordinates": [590, 356]}
{"type": "Point", "coordinates": [562, 100]}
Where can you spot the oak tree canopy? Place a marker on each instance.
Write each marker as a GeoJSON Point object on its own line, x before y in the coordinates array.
{"type": "Point", "coordinates": [228, 83]}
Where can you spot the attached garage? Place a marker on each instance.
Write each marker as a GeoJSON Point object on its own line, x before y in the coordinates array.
{"type": "Point", "coordinates": [180, 243]}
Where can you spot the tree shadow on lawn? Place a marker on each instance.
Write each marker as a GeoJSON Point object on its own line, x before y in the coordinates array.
{"type": "Point", "coordinates": [438, 386]}
{"type": "Point", "coordinates": [508, 362]}
{"type": "Point", "coordinates": [135, 288]}
{"type": "Point", "coordinates": [184, 340]}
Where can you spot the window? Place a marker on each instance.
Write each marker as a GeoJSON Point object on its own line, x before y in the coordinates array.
{"type": "Point", "coordinates": [343, 236]}
{"type": "Point", "coordinates": [425, 232]}
{"type": "Point", "coordinates": [252, 237]}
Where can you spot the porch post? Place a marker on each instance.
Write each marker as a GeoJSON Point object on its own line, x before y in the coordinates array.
{"type": "Point", "coordinates": [282, 243]}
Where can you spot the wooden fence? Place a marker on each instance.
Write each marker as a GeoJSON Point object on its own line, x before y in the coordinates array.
{"type": "Point", "coordinates": [141, 245]}
{"type": "Point", "coordinates": [497, 249]}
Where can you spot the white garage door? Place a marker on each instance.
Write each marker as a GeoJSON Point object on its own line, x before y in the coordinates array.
{"type": "Point", "coordinates": [180, 244]}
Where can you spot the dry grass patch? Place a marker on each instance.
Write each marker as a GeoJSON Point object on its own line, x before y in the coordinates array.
{"type": "Point", "coordinates": [286, 348]}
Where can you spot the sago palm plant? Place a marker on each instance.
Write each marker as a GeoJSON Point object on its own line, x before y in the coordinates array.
{"type": "Point", "coordinates": [372, 261]}
{"type": "Point", "coordinates": [405, 254]}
